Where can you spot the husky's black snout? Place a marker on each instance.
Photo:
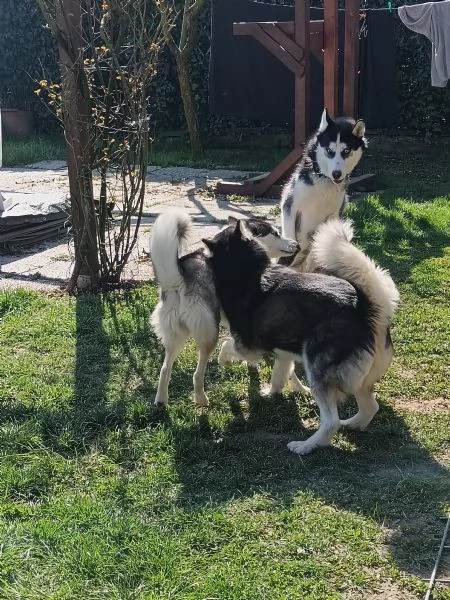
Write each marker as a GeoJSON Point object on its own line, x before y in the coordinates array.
{"type": "Point", "coordinates": [337, 175]}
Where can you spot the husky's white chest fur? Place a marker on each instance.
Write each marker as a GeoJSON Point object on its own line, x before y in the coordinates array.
{"type": "Point", "coordinates": [316, 190]}
{"type": "Point", "coordinates": [313, 205]}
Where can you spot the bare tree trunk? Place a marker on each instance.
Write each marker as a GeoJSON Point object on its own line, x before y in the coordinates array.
{"type": "Point", "coordinates": [76, 116]}
{"type": "Point", "coordinates": [182, 52]}
{"type": "Point", "coordinates": [189, 106]}
{"type": "Point", "coordinates": [108, 54]}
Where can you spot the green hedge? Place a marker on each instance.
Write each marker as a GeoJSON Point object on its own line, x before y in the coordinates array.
{"type": "Point", "coordinates": [28, 54]}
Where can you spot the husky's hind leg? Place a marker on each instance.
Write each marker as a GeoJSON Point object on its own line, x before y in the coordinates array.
{"type": "Point", "coordinates": [227, 353]}
{"type": "Point", "coordinates": [365, 397]}
{"type": "Point", "coordinates": [205, 334]}
{"type": "Point", "coordinates": [172, 350]}
{"type": "Point", "coordinates": [294, 382]}
{"type": "Point", "coordinates": [280, 374]}
{"type": "Point", "coordinates": [367, 409]}
{"type": "Point", "coordinates": [205, 350]}
{"type": "Point", "coordinates": [284, 372]}
{"type": "Point", "coordinates": [329, 423]}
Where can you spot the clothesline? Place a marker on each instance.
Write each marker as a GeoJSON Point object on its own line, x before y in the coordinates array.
{"type": "Point", "coordinates": [393, 9]}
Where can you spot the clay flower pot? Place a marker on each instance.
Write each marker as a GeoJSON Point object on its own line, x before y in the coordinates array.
{"type": "Point", "coordinates": [17, 123]}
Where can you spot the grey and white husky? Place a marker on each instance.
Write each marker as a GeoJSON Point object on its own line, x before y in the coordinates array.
{"type": "Point", "coordinates": [337, 322]}
{"type": "Point", "coordinates": [317, 189]}
{"type": "Point", "coordinates": [188, 305]}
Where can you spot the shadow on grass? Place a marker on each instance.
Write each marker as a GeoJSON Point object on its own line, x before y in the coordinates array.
{"type": "Point", "coordinates": [82, 424]}
{"type": "Point", "coordinates": [383, 474]}
{"type": "Point", "coordinates": [395, 238]}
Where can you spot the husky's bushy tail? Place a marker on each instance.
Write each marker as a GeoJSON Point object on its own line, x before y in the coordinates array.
{"type": "Point", "coordinates": [333, 251]}
{"type": "Point", "coordinates": [170, 235]}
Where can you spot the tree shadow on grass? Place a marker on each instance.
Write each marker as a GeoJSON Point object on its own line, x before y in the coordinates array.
{"type": "Point", "coordinates": [398, 241]}
{"type": "Point", "coordinates": [143, 354]}
{"type": "Point", "coordinates": [79, 426]}
{"type": "Point", "coordinates": [402, 167]}
{"type": "Point", "coordinates": [100, 402]}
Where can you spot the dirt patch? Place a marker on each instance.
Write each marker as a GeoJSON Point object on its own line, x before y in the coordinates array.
{"type": "Point", "coordinates": [388, 590]}
{"type": "Point", "coordinates": [426, 468]}
{"type": "Point", "coordinates": [432, 406]}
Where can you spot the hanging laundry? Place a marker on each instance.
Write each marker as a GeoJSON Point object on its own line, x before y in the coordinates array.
{"type": "Point", "coordinates": [432, 20]}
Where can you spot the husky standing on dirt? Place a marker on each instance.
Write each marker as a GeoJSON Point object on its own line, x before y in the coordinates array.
{"type": "Point", "coordinates": [317, 189]}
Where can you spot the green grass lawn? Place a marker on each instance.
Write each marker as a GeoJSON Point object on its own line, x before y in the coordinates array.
{"type": "Point", "coordinates": [23, 151]}
{"type": "Point", "coordinates": [263, 153]}
{"type": "Point", "coordinates": [102, 496]}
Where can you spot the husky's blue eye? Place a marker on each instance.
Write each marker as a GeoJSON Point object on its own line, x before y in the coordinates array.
{"type": "Point", "coordinates": [330, 152]}
{"type": "Point", "coordinates": [346, 152]}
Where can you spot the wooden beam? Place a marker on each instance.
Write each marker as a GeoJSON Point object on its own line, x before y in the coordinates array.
{"type": "Point", "coordinates": [289, 61]}
{"type": "Point", "coordinates": [302, 84]}
{"type": "Point", "coordinates": [286, 42]}
{"type": "Point", "coordinates": [330, 59]}
{"type": "Point", "coordinates": [351, 56]}
{"type": "Point", "coordinates": [257, 186]}
{"type": "Point", "coordinates": [286, 27]}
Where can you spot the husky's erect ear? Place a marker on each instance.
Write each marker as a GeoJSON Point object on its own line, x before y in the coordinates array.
{"type": "Point", "coordinates": [209, 244]}
{"type": "Point", "coordinates": [241, 231]}
{"type": "Point", "coordinates": [325, 121]}
{"type": "Point", "coordinates": [232, 220]}
{"type": "Point", "coordinates": [359, 128]}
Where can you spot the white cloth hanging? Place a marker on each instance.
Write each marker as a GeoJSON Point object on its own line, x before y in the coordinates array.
{"type": "Point", "coordinates": [432, 20]}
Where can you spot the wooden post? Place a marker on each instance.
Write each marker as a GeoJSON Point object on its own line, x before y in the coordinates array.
{"type": "Point", "coordinates": [330, 58]}
{"type": "Point", "coordinates": [351, 58]}
{"type": "Point", "coordinates": [302, 84]}
{"type": "Point", "coordinates": [295, 55]}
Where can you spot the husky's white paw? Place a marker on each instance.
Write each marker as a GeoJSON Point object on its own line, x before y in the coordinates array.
{"type": "Point", "coordinates": [291, 247]}
{"type": "Point", "coordinates": [267, 391]}
{"type": "Point", "coordinates": [295, 385]}
{"type": "Point", "coordinates": [160, 400]}
{"type": "Point", "coordinates": [201, 399]}
{"type": "Point", "coordinates": [226, 354]}
{"type": "Point", "coordinates": [224, 358]}
{"type": "Point", "coordinates": [354, 423]}
{"type": "Point", "coordinates": [301, 447]}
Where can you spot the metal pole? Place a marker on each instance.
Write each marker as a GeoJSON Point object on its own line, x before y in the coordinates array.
{"type": "Point", "coordinates": [438, 560]}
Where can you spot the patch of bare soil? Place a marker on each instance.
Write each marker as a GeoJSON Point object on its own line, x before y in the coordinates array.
{"type": "Point", "coordinates": [388, 590]}
{"type": "Point", "coordinates": [434, 405]}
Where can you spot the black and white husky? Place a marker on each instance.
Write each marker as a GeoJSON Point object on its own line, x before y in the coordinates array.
{"type": "Point", "coordinates": [317, 189]}
{"type": "Point", "coordinates": [188, 305]}
{"type": "Point", "coordinates": [336, 323]}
